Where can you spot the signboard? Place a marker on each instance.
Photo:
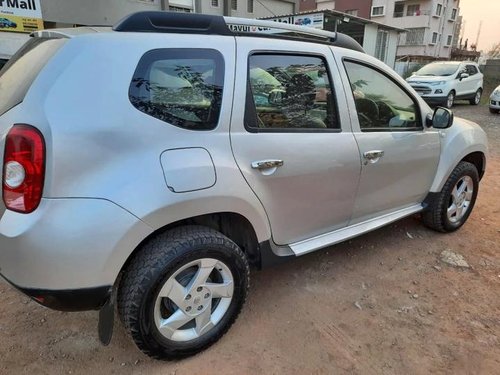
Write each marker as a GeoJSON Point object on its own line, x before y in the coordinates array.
{"type": "Point", "coordinates": [310, 20]}
{"type": "Point", "coordinates": [22, 16]}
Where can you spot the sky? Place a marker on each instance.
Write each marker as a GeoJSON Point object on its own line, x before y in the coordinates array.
{"type": "Point", "coordinates": [473, 11]}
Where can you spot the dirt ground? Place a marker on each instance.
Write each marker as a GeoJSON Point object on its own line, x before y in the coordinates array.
{"type": "Point", "coordinates": [382, 303]}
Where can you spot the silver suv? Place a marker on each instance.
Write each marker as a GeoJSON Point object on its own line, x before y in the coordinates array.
{"type": "Point", "coordinates": [150, 165]}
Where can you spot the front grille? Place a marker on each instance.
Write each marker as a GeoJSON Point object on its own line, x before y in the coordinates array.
{"type": "Point", "coordinates": [422, 89]}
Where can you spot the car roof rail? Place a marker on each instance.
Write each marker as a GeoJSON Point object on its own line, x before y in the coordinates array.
{"type": "Point", "coordinates": [191, 23]}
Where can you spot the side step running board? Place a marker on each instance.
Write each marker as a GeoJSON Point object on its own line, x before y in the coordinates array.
{"type": "Point", "coordinates": [340, 235]}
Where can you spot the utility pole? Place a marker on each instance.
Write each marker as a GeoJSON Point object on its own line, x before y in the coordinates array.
{"type": "Point", "coordinates": [479, 32]}
{"type": "Point", "coordinates": [164, 4]}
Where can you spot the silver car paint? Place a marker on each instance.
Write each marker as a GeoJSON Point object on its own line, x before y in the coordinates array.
{"type": "Point", "coordinates": [314, 191]}
{"type": "Point", "coordinates": [105, 156]}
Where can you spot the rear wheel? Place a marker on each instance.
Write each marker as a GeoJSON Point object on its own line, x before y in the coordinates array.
{"type": "Point", "coordinates": [183, 291]}
{"type": "Point", "coordinates": [450, 100]}
{"type": "Point", "coordinates": [477, 98]}
{"type": "Point", "coordinates": [454, 203]}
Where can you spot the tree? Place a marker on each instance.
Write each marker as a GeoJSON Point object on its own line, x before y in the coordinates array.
{"type": "Point", "coordinates": [494, 53]}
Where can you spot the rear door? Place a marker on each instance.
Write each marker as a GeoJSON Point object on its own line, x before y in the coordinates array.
{"type": "Point", "coordinates": [400, 156]}
{"type": "Point", "coordinates": [292, 144]}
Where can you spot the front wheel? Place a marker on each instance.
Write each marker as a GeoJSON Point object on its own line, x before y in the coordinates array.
{"type": "Point", "coordinates": [477, 98]}
{"type": "Point", "coordinates": [454, 203]}
{"type": "Point", "coordinates": [450, 100]}
{"type": "Point", "coordinates": [183, 291]}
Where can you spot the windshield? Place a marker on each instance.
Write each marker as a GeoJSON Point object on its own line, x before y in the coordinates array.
{"type": "Point", "coordinates": [438, 69]}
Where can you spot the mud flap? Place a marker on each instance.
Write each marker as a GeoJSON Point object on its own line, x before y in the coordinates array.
{"type": "Point", "coordinates": [106, 322]}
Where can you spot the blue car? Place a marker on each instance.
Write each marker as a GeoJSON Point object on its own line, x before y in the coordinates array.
{"type": "Point", "coordinates": [5, 22]}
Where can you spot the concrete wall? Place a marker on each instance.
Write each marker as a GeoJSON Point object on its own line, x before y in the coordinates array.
{"type": "Point", "coordinates": [492, 68]}
{"type": "Point", "coordinates": [363, 6]}
{"type": "Point", "coordinates": [10, 43]}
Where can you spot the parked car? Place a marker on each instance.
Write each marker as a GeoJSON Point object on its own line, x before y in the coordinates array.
{"type": "Point", "coordinates": [442, 83]}
{"type": "Point", "coordinates": [154, 176]}
{"type": "Point", "coordinates": [495, 101]}
{"type": "Point", "coordinates": [6, 23]}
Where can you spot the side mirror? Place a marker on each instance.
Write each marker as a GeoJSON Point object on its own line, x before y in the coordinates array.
{"type": "Point", "coordinates": [276, 97]}
{"type": "Point", "coordinates": [442, 118]}
{"type": "Point", "coordinates": [463, 75]}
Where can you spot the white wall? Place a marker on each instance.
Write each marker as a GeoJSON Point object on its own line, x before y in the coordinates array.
{"type": "Point", "coordinates": [370, 39]}
{"type": "Point", "coordinates": [10, 43]}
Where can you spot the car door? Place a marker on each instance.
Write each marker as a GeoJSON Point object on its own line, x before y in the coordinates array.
{"type": "Point", "coordinates": [473, 80]}
{"type": "Point", "coordinates": [291, 143]}
{"type": "Point", "coordinates": [461, 84]}
{"type": "Point", "coordinates": [400, 156]}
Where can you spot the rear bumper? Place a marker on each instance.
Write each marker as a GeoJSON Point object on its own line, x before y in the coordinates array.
{"type": "Point", "coordinates": [68, 300]}
{"type": "Point", "coordinates": [69, 251]}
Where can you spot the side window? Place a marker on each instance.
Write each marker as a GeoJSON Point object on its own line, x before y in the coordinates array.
{"type": "Point", "coordinates": [381, 104]}
{"type": "Point", "coordinates": [471, 69]}
{"type": "Point", "coordinates": [289, 92]}
{"type": "Point", "coordinates": [182, 87]}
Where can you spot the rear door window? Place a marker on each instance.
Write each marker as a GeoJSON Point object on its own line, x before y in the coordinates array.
{"type": "Point", "coordinates": [182, 87]}
{"type": "Point", "coordinates": [21, 70]}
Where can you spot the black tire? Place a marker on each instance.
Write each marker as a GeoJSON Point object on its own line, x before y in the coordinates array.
{"type": "Point", "coordinates": [154, 264]}
{"type": "Point", "coordinates": [473, 100]}
{"type": "Point", "coordinates": [435, 217]}
{"type": "Point", "coordinates": [450, 100]}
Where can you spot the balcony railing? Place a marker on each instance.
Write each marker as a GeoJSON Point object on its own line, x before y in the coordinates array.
{"type": "Point", "coordinates": [412, 14]}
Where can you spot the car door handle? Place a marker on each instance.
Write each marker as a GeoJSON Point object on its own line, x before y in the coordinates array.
{"type": "Point", "coordinates": [267, 164]}
{"type": "Point", "coordinates": [373, 156]}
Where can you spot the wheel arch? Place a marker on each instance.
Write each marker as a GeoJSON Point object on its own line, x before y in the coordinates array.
{"type": "Point", "coordinates": [233, 225]}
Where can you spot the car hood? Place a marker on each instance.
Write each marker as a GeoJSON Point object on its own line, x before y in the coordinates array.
{"type": "Point", "coordinates": [497, 91]}
{"type": "Point", "coordinates": [426, 79]}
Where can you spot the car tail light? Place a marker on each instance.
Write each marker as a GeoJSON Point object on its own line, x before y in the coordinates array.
{"type": "Point", "coordinates": [23, 168]}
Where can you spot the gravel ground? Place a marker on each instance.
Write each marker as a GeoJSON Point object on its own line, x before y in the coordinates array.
{"type": "Point", "coordinates": [390, 302]}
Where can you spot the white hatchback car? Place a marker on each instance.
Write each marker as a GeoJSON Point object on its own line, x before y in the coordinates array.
{"type": "Point", "coordinates": [441, 83]}
{"type": "Point", "coordinates": [495, 100]}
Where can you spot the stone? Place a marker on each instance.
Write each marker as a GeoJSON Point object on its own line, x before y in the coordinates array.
{"type": "Point", "coordinates": [454, 259]}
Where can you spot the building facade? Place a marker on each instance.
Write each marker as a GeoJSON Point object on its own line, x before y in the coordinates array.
{"type": "Point", "coordinates": [430, 25]}
{"type": "Point", "coordinates": [360, 8]}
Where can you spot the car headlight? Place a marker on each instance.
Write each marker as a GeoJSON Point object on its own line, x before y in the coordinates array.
{"type": "Point", "coordinates": [496, 92]}
{"type": "Point", "coordinates": [438, 83]}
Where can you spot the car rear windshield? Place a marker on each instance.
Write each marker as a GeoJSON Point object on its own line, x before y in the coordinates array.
{"type": "Point", "coordinates": [21, 70]}
{"type": "Point", "coordinates": [438, 69]}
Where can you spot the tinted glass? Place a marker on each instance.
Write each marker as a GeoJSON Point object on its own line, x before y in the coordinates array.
{"type": "Point", "coordinates": [471, 69]}
{"type": "Point", "coordinates": [182, 87]}
{"type": "Point", "coordinates": [21, 70]}
{"type": "Point", "coordinates": [381, 104]}
{"type": "Point", "coordinates": [289, 92]}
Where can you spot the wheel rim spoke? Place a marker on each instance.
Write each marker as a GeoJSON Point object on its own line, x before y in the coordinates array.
{"type": "Point", "coordinates": [174, 291]}
{"type": "Point", "coordinates": [168, 326]}
{"type": "Point", "coordinates": [201, 276]}
{"type": "Point", "coordinates": [455, 194]}
{"type": "Point", "coordinates": [452, 210]}
{"type": "Point", "coordinates": [204, 320]}
{"type": "Point", "coordinates": [221, 290]}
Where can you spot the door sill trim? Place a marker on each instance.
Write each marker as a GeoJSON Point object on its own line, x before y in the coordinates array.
{"type": "Point", "coordinates": [339, 235]}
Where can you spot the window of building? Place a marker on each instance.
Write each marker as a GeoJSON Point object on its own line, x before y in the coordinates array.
{"type": "Point", "coordinates": [215, 3]}
{"type": "Point", "coordinates": [415, 36]}
{"type": "Point", "coordinates": [454, 12]}
{"type": "Point", "coordinates": [352, 12]}
{"type": "Point", "coordinates": [378, 11]}
{"type": "Point", "coordinates": [250, 6]}
{"type": "Point", "coordinates": [399, 9]}
{"type": "Point", "coordinates": [439, 10]}
{"type": "Point", "coordinates": [434, 38]}
{"type": "Point", "coordinates": [179, 9]}
{"type": "Point", "coordinates": [381, 104]}
{"type": "Point", "coordinates": [289, 92]}
{"type": "Point", "coordinates": [182, 87]}
{"type": "Point", "coordinates": [234, 4]}
{"type": "Point", "coordinates": [413, 10]}
{"type": "Point", "coordinates": [381, 45]}
{"type": "Point", "coordinates": [449, 40]}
